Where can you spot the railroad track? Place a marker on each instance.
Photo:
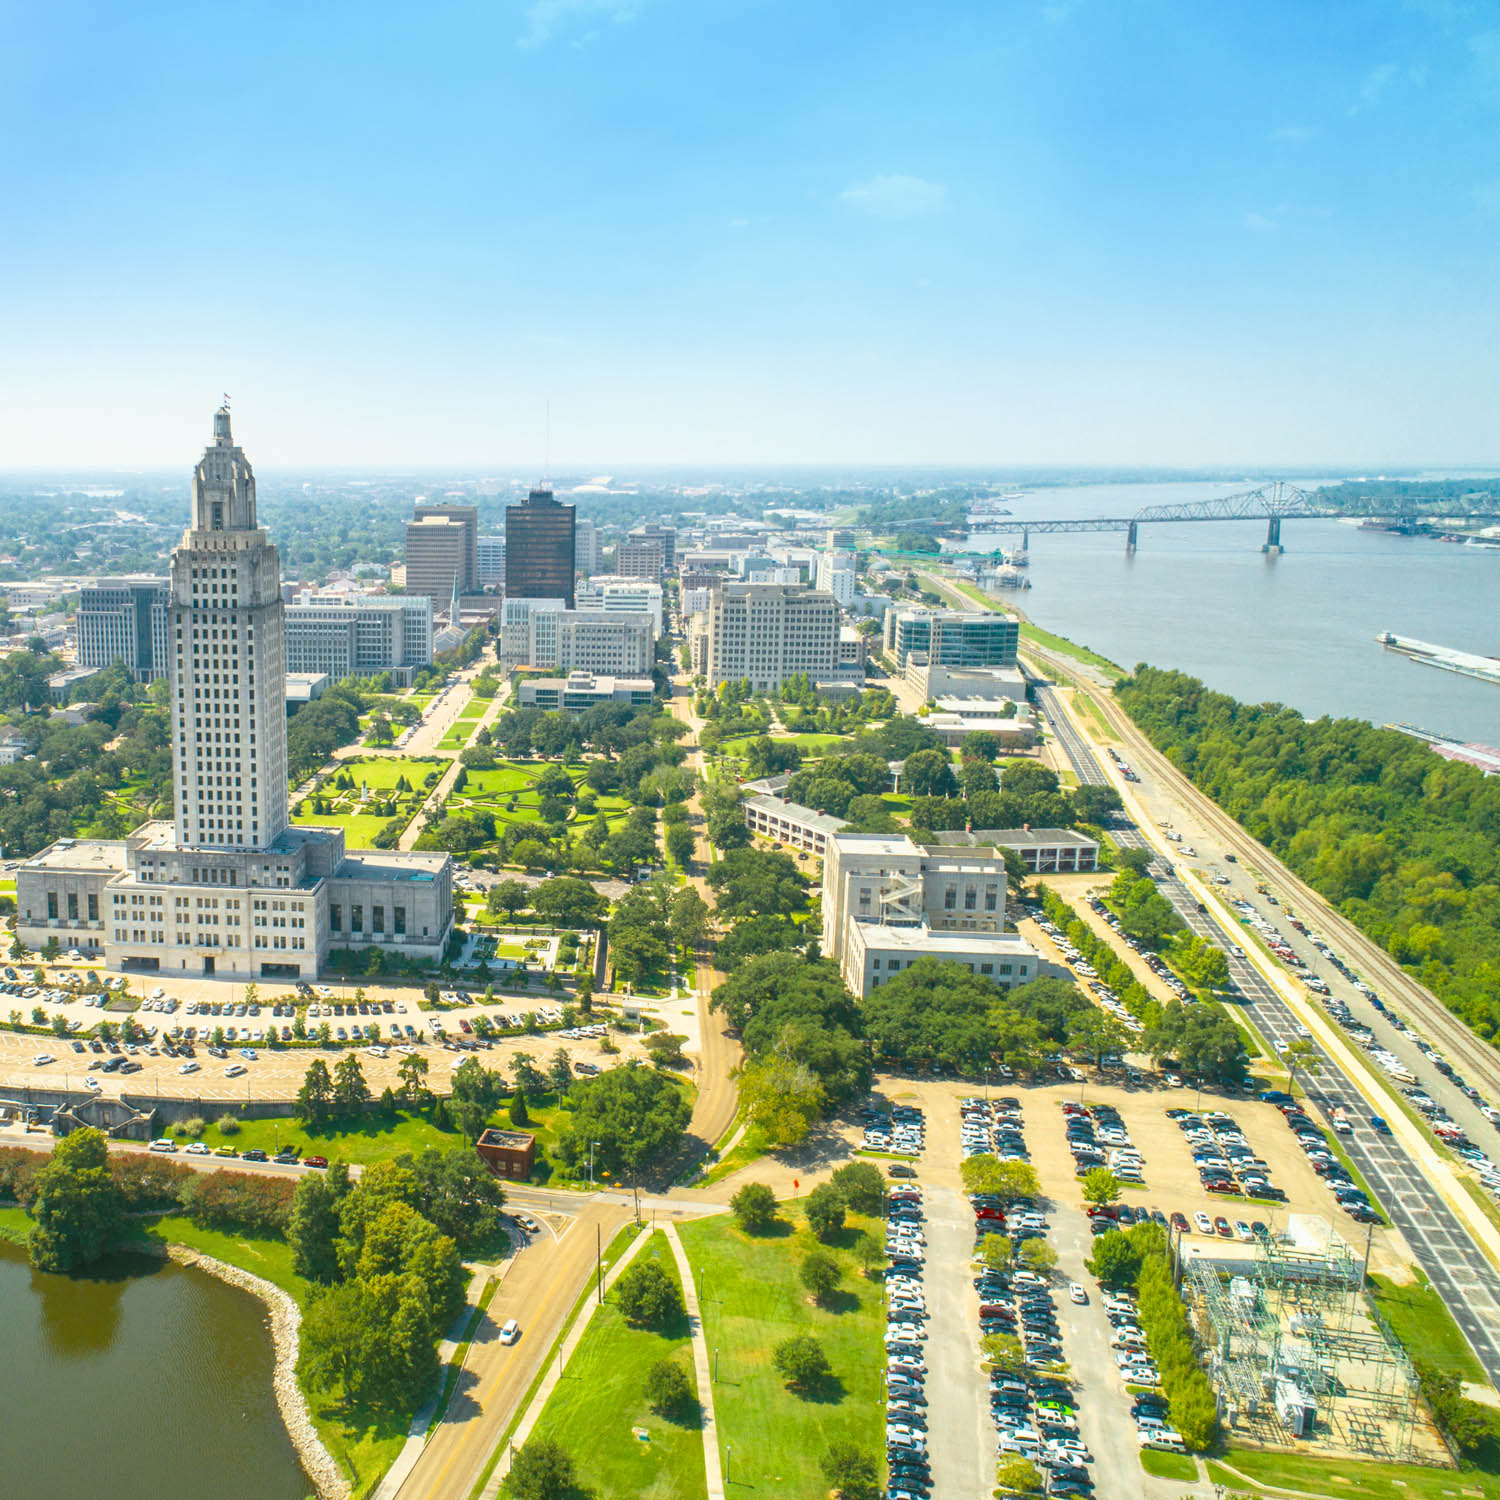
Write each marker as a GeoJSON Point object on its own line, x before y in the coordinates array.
{"type": "Point", "coordinates": [1460, 1271]}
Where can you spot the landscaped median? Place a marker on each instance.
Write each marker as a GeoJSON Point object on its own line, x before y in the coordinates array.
{"type": "Point", "coordinates": [772, 1439]}
{"type": "Point", "coordinates": [601, 1412]}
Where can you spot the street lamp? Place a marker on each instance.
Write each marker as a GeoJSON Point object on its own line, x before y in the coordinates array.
{"type": "Point", "coordinates": [592, 1144]}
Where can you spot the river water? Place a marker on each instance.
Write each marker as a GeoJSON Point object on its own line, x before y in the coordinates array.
{"type": "Point", "coordinates": [143, 1381]}
{"type": "Point", "coordinates": [1297, 628]}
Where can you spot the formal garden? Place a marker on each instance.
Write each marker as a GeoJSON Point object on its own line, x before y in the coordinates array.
{"type": "Point", "coordinates": [367, 797]}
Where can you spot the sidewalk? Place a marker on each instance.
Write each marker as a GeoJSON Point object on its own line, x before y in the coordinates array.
{"type": "Point", "coordinates": [711, 1468]}
{"type": "Point", "coordinates": [555, 1367]}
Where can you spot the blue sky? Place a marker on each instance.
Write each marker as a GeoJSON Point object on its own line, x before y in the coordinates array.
{"type": "Point", "coordinates": [749, 231]}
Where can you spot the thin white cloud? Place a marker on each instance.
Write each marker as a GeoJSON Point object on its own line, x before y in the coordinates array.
{"type": "Point", "coordinates": [1260, 223]}
{"type": "Point", "coordinates": [896, 196]}
{"type": "Point", "coordinates": [739, 223]}
{"type": "Point", "coordinates": [1373, 85]}
{"type": "Point", "coordinates": [1294, 134]}
{"type": "Point", "coordinates": [552, 20]}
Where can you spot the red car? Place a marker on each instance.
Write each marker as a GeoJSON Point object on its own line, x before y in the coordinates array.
{"type": "Point", "coordinates": [314, 1161]}
{"type": "Point", "coordinates": [1223, 1227]}
{"type": "Point", "coordinates": [463, 1025]}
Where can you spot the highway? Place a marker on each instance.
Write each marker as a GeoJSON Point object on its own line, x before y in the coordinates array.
{"type": "Point", "coordinates": [1442, 1247]}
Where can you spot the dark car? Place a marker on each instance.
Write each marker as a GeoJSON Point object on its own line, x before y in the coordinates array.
{"type": "Point", "coordinates": [254, 1154]}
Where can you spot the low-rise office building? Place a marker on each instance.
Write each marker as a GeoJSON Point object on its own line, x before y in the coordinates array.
{"type": "Point", "coordinates": [953, 638]}
{"type": "Point", "coordinates": [580, 690]}
{"type": "Point", "coordinates": [629, 596]}
{"type": "Point", "coordinates": [790, 823]}
{"type": "Point", "coordinates": [359, 636]}
{"type": "Point", "coordinates": [888, 901]}
{"type": "Point", "coordinates": [1044, 851]}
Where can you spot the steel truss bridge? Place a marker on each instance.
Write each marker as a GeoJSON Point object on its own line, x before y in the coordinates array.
{"type": "Point", "coordinates": [1271, 503]}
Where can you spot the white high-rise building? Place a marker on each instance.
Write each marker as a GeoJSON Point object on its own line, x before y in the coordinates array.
{"type": "Point", "coordinates": [767, 632]}
{"type": "Point", "coordinates": [587, 549]}
{"type": "Point", "coordinates": [232, 888]}
{"type": "Point", "coordinates": [836, 576]}
{"type": "Point", "coordinates": [631, 596]}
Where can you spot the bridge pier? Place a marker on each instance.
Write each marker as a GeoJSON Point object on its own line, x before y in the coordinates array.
{"type": "Point", "coordinates": [1025, 540]}
{"type": "Point", "coordinates": [1273, 535]}
{"type": "Point", "coordinates": [1130, 537]}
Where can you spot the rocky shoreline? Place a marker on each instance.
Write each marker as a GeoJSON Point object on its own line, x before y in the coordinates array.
{"type": "Point", "coordinates": [286, 1322]}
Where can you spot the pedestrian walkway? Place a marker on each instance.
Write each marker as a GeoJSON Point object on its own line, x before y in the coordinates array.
{"type": "Point", "coordinates": [555, 1367]}
{"type": "Point", "coordinates": [711, 1467]}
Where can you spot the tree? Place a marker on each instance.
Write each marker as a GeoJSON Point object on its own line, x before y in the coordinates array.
{"type": "Point", "coordinates": [1301, 1057]}
{"type": "Point", "coordinates": [1037, 1255]}
{"type": "Point", "coordinates": [648, 1296]}
{"type": "Point", "coordinates": [350, 1091]}
{"type": "Point", "coordinates": [668, 1388]}
{"type": "Point", "coordinates": [1115, 1261]}
{"type": "Point", "coordinates": [687, 920]}
{"type": "Point", "coordinates": [754, 1207]}
{"type": "Point", "coordinates": [820, 1274]}
{"type": "Point", "coordinates": [825, 1209]}
{"type": "Point", "coordinates": [1006, 1180]}
{"type": "Point", "coordinates": [459, 1194]}
{"type": "Point", "coordinates": [78, 1209]}
{"type": "Point", "coordinates": [507, 896]}
{"type": "Point", "coordinates": [862, 1187]}
{"type": "Point", "coordinates": [312, 1227]}
{"type": "Point", "coordinates": [1003, 1353]}
{"type": "Point", "coordinates": [543, 1470]}
{"type": "Point", "coordinates": [1096, 1035]}
{"type": "Point", "coordinates": [1018, 1476]}
{"type": "Point", "coordinates": [996, 1251]}
{"type": "Point", "coordinates": [781, 1098]}
{"type": "Point", "coordinates": [980, 744]}
{"type": "Point", "coordinates": [412, 1075]}
{"type": "Point", "coordinates": [801, 1363]}
{"type": "Point", "coordinates": [928, 773]}
{"type": "Point", "coordinates": [560, 1071]}
{"type": "Point", "coordinates": [315, 1097]}
{"type": "Point", "coordinates": [681, 843]}
{"type": "Point", "coordinates": [1101, 1186]}
{"type": "Point", "coordinates": [634, 1114]}
{"type": "Point", "coordinates": [850, 1471]}
{"type": "Point", "coordinates": [567, 901]}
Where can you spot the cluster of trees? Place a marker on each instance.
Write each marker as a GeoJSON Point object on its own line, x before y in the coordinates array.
{"type": "Point", "coordinates": [631, 1115]}
{"type": "Point", "coordinates": [646, 920]}
{"type": "Point", "coordinates": [100, 777]}
{"type": "Point", "coordinates": [1404, 843]}
{"type": "Point", "coordinates": [81, 1198]}
{"type": "Point", "coordinates": [1017, 793]}
{"type": "Point", "coordinates": [723, 807]}
{"type": "Point", "coordinates": [324, 1096]}
{"type": "Point", "coordinates": [319, 728]}
{"type": "Point", "coordinates": [803, 1037]}
{"type": "Point", "coordinates": [392, 1279]}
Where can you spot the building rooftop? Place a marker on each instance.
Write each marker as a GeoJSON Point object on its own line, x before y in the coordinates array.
{"type": "Point", "coordinates": [391, 865]}
{"type": "Point", "coordinates": [514, 1140]}
{"type": "Point", "coordinates": [809, 817]}
{"type": "Point", "coordinates": [876, 843]}
{"type": "Point", "coordinates": [921, 938]}
{"type": "Point", "coordinates": [97, 855]}
{"type": "Point", "coordinates": [1016, 838]}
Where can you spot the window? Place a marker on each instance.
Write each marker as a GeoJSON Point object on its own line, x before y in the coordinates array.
{"type": "Point", "coordinates": [950, 898]}
{"type": "Point", "coordinates": [356, 919]}
{"type": "Point", "coordinates": [991, 898]}
{"type": "Point", "coordinates": [377, 919]}
{"type": "Point", "coordinates": [94, 906]}
{"type": "Point", "coordinates": [398, 920]}
{"type": "Point", "coordinates": [72, 906]}
{"type": "Point", "coordinates": [51, 906]}
{"type": "Point", "coordinates": [971, 898]}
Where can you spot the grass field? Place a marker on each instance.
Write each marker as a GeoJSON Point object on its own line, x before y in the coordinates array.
{"type": "Point", "coordinates": [1370, 1481]}
{"type": "Point", "coordinates": [1425, 1327]}
{"type": "Point", "coordinates": [601, 1398]}
{"type": "Point", "coordinates": [1064, 647]}
{"type": "Point", "coordinates": [1166, 1465]}
{"type": "Point", "coordinates": [752, 1299]}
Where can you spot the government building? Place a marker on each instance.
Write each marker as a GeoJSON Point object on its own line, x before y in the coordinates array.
{"type": "Point", "coordinates": [231, 888]}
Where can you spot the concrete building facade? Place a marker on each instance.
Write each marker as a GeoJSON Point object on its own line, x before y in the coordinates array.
{"type": "Point", "coordinates": [953, 638]}
{"type": "Point", "coordinates": [769, 632]}
{"type": "Point", "coordinates": [361, 636]}
{"type": "Point", "coordinates": [125, 620]}
{"type": "Point", "coordinates": [580, 690]}
{"type": "Point", "coordinates": [231, 888]}
{"type": "Point", "coordinates": [491, 558]}
{"type": "Point", "coordinates": [587, 547]}
{"type": "Point", "coordinates": [888, 901]}
{"type": "Point", "coordinates": [633, 596]}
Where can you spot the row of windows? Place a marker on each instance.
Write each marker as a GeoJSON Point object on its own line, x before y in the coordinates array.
{"type": "Point", "coordinates": [357, 919]}
{"type": "Point", "coordinates": [72, 906]}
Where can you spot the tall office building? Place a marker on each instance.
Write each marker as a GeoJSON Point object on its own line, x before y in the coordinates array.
{"type": "Point", "coordinates": [836, 576]}
{"type": "Point", "coordinates": [438, 557]}
{"type": "Point", "coordinates": [466, 516]}
{"type": "Point", "coordinates": [539, 549]}
{"type": "Point", "coordinates": [953, 638]}
{"type": "Point", "coordinates": [587, 551]}
{"type": "Point", "coordinates": [767, 632]}
{"type": "Point", "coordinates": [232, 888]}
{"type": "Point", "coordinates": [125, 620]}
{"type": "Point", "coordinates": [491, 561]}
{"type": "Point", "coordinates": [229, 661]}
{"type": "Point", "coordinates": [359, 637]}
{"type": "Point", "coordinates": [646, 552]}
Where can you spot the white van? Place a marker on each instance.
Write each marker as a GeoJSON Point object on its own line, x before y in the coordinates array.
{"type": "Point", "coordinates": [510, 1332]}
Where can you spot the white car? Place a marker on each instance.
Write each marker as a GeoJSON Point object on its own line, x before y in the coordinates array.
{"type": "Point", "coordinates": [188, 1067]}
{"type": "Point", "coordinates": [197, 1149]}
{"type": "Point", "coordinates": [238, 1070]}
{"type": "Point", "coordinates": [1077, 1293]}
{"type": "Point", "coordinates": [166, 1144]}
{"type": "Point", "coordinates": [42, 1059]}
{"type": "Point", "coordinates": [510, 1332]}
{"type": "Point", "coordinates": [92, 1083]}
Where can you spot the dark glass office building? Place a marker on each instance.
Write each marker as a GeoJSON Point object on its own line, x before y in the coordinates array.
{"type": "Point", "coordinates": [539, 549]}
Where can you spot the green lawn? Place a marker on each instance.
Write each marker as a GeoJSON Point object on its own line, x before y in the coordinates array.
{"type": "Point", "coordinates": [1065, 647]}
{"type": "Point", "coordinates": [812, 745]}
{"type": "Point", "coordinates": [601, 1398]}
{"type": "Point", "coordinates": [381, 773]}
{"type": "Point", "coordinates": [15, 1225]}
{"type": "Point", "coordinates": [1166, 1465]}
{"type": "Point", "coordinates": [752, 1299]}
{"type": "Point", "coordinates": [371, 1138]}
{"type": "Point", "coordinates": [359, 828]}
{"type": "Point", "coordinates": [1370, 1481]}
{"type": "Point", "coordinates": [1425, 1327]}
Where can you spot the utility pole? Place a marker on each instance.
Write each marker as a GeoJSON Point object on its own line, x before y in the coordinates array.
{"type": "Point", "coordinates": [599, 1263]}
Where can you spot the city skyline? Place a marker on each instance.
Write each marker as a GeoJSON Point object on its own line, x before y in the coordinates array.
{"type": "Point", "coordinates": [757, 235]}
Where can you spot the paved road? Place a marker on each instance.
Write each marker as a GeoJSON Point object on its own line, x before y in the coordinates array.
{"type": "Point", "coordinates": [1440, 1243]}
{"type": "Point", "coordinates": [1099, 1394]}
